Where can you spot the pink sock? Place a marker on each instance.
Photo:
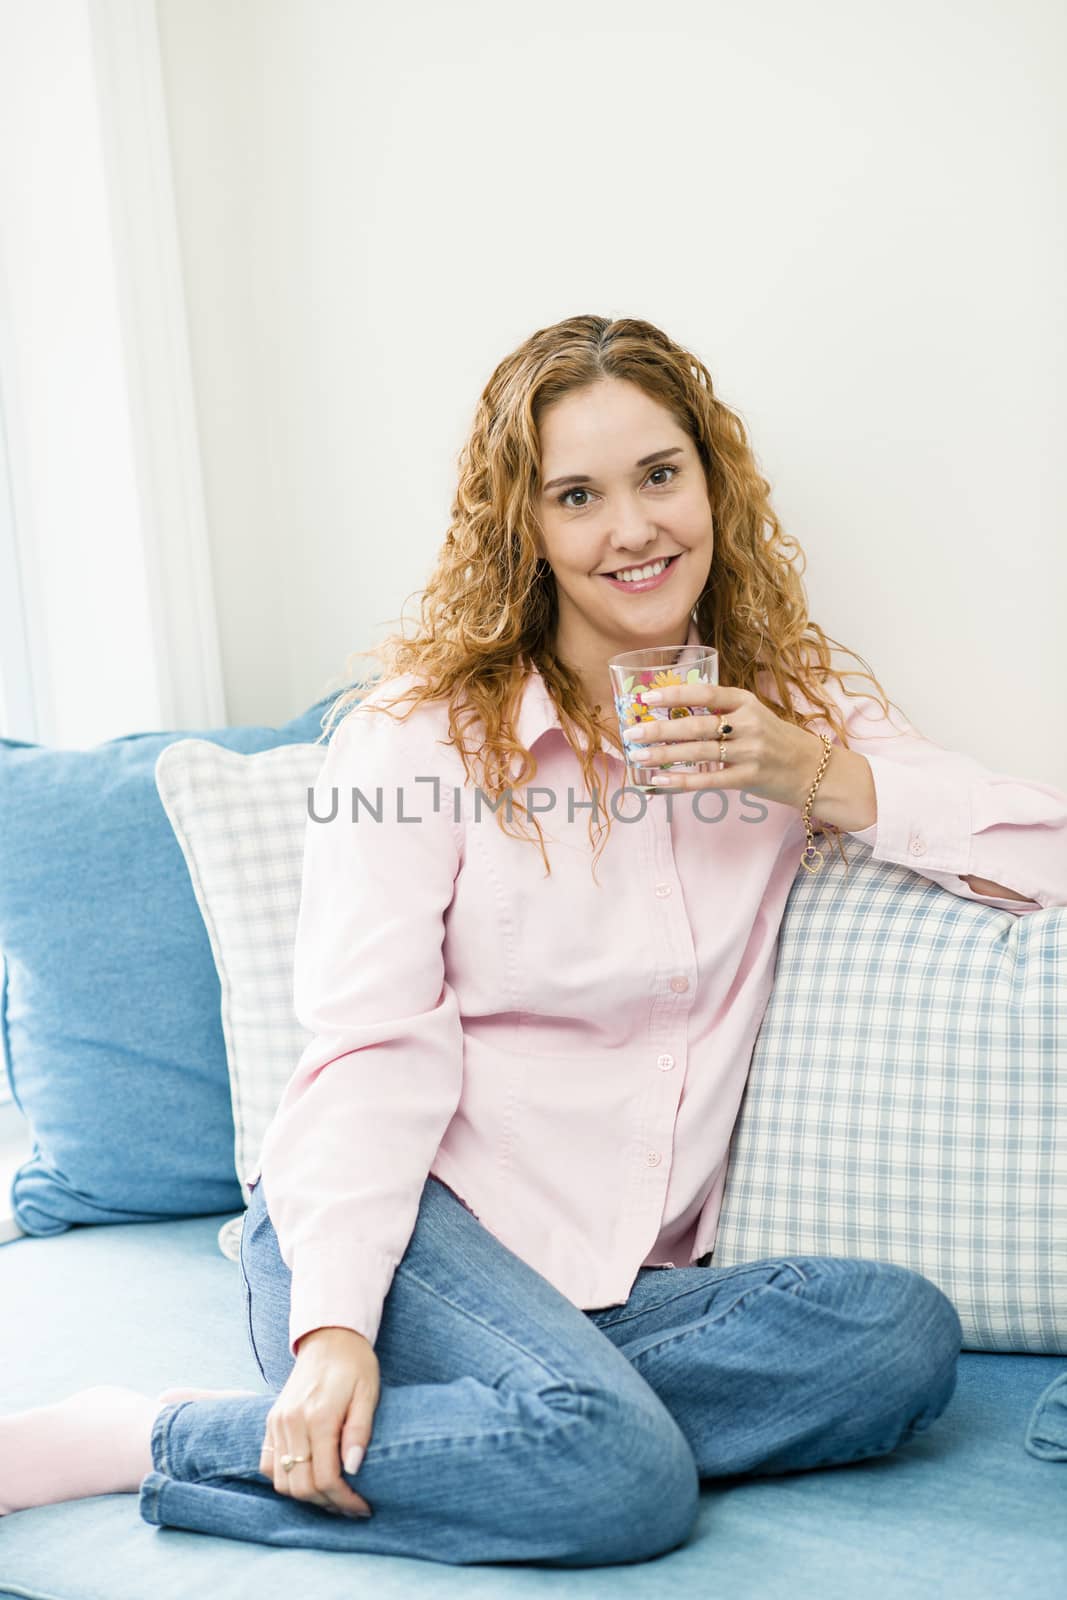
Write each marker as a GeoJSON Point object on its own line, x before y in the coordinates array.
{"type": "Point", "coordinates": [95, 1442]}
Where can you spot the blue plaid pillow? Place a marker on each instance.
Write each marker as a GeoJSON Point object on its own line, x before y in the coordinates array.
{"type": "Point", "coordinates": [907, 1100]}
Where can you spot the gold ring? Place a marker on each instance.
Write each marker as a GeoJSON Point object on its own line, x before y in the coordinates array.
{"type": "Point", "coordinates": [289, 1462]}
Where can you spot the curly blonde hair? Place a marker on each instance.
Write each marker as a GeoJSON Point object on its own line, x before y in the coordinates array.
{"type": "Point", "coordinates": [489, 610]}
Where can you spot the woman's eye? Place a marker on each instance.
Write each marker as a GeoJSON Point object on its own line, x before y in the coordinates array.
{"type": "Point", "coordinates": [565, 496]}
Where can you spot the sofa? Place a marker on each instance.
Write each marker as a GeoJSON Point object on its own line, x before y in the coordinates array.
{"type": "Point", "coordinates": [907, 1101]}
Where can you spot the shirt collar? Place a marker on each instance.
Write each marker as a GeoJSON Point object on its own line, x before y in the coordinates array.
{"type": "Point", "coordinates": [537, 713]}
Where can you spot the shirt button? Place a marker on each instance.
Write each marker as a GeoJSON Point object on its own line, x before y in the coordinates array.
{"type": "Point", "coordinates": [917, 847]}
{"type": "Point", "coordinates": [663, 890]}
{"type": "Point", "coordinates": [665, 1063]}
{"type": "Point", "coordinates": [679, 985]}
{"type": "Point", "coordinates": [653, 1158]}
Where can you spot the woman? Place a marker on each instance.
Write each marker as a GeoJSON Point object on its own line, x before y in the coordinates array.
{"type": "Point", "coordinates": [530, 1036]}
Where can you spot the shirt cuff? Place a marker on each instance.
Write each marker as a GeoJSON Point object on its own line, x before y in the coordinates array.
{"type": "Point", "coordinates": [331, 1290]}
{"type": "Point", "coordinates": [864, 835]}
{"type": "Point", "coordinates": [923, 822]}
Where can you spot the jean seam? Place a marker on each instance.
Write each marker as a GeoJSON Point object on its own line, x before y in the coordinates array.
{"type": "Point", "coordinates": [248, 1302]}
{"type": "Point", "coordinates": [150, 1498]}
{"type": "Point", "coordinates": [409, 1446]}
{"type": "Point", "coordinates": [654, 1305]}
{"type": "Point", "coordinates": [160, 1437]}
{"type": "Point", "coordinates": [251, 1334]}
{"type": "Point", "coordinates": [498, 1333]}
{"type": "Point", "coordinates": [699, 1288]}
{"type": "Point", "coordinates": [694, 1330]}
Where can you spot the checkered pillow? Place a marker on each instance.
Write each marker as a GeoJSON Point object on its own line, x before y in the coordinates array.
{"type": "Point", "coordinates": [907, 1098]}
{"type": "Point", "coordinates": [240, 821]}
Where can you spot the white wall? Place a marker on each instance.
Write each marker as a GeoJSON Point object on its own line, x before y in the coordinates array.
{"type": "Point", "coordinates": [853, 212]}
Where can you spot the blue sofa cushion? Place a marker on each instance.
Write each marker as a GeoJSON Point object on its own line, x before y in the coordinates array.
{"type": "Point", "coordinates": [110, 1025]}
{"type": "Point", "coordinates": [961, 1510]}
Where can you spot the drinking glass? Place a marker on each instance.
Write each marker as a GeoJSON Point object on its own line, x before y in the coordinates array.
{"type": "Point", "coordinates": [656, 666]}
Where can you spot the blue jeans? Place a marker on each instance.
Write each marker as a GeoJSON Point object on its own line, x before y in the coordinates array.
{"type": "Point", "coordinates": [513, 1427]}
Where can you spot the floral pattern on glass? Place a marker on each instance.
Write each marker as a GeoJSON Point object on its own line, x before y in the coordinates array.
{"type": "Point", "coordinates": [630, 707]}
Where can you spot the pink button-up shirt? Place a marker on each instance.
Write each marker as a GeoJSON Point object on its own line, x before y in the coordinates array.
{"type": "Point", "coordinates": [569, 1058]}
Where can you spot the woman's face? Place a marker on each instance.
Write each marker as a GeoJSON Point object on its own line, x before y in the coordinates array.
{"type": "Point", "coordinates": [628, 512]}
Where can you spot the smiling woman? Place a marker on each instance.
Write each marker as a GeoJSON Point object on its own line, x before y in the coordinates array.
{"type": "Point", "coordinates": [632, 512]}
{"type": "Point", "coordinates": [566, 1058]}
{"type": "Point", "coordinates": [519, 1088]}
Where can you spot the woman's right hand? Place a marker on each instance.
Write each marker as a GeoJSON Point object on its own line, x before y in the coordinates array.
{"type": "Point", "coordinates": [325, 1409]}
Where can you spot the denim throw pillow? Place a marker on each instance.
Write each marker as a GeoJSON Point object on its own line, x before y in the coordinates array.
{"type": "Point", "coordinates": [110, 1025]}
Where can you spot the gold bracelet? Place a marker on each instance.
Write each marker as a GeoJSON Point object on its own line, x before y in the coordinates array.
{"type": "Point", "coordinates": [812, 858]}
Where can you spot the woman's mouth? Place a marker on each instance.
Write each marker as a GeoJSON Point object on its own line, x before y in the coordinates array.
{"type": "Point", "coordinates": [654, 574]}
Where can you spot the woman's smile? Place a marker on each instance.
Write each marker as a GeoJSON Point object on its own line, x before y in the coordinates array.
{"type": "Point", "coordinates": [643, 585]}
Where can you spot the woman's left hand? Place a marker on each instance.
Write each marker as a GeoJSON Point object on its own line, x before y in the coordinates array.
{"type": "Point", "coordinates": [765, 755]}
